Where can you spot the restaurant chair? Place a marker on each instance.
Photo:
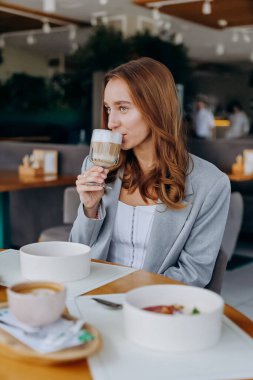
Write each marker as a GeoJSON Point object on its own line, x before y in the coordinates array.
{"type": "Point", "coordinates": [229, 240]}
{"type": "Point", "coordinates": [71, 202]}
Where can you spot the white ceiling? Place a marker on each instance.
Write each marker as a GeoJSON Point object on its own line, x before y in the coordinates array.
{"type": "Point", "coordinates": [201, 41]}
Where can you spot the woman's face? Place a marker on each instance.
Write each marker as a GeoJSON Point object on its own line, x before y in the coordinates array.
{"type": "Point", "coordinates": [123, 116]}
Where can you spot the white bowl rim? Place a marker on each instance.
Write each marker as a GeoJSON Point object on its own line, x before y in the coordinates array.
{"type": "Point", "coordinates": [38, 296]}
{"type": "Point", "coordinates": [182, 316]}
{"type": "Point", "coordinates": [84, 249]}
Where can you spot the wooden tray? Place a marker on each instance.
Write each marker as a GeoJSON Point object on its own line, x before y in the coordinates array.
{"type": "Point", "coordinates": [14, 349]}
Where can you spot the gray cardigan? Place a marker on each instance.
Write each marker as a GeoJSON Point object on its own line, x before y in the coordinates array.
{"type": "Point", "coordinates": [183, 243]}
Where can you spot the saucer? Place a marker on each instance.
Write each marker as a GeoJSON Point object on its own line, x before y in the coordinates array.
{"type": "Point", "coordinates": [12, 348]}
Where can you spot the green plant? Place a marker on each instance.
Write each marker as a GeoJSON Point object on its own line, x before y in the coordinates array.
{"type": "Point", "coordinates": [22, 92]}
{"type": "Point", "coordinates": [171, 55]}
{"type": "Point", "coordinates": [106, 48]}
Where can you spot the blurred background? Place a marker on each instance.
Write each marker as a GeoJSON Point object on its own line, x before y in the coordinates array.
{"type": "Point", "coordinates": [54, 54]}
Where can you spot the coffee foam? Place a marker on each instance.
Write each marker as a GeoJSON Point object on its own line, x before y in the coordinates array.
{"type": "Point", "coordinates": [104, 135]}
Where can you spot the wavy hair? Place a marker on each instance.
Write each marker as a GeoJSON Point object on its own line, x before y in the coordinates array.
{"type": "Point", "coordinates": [154, 93]}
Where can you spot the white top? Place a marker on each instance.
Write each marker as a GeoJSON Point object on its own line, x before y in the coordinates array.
{"type": "Point", "coordinates": [131, 234]}
{"type": "Point", "coordinates": [239, 125]}
{"type": "Point", "coordinates": [204, 123]}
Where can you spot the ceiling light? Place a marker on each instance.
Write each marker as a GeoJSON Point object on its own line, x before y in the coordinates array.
{"type": "Point", "coordinates": [206, 7]}
{"type": "Point", "coordinates": [235, 37]}
{"type": "Point", "coordinates": [220, 49]}
{"type": "Point", "coordinates": [49, 6]}
{"type": "Point", "coordinates": [178, 39]}
{"type": "Point", "coordinates": [103, 2]}
{"type": "Point", "coordinates": [74, 47]}
{"type": "Point", "coordinates": [2, 42]}
{"type": "Point", "coordinates": [93, 21]}
{"type": "Point", "coordinates": [30, 39]}
{"type": "Point", "coordinates": [222, 22]}
{"type": "Point", "coordinates": [167, 25]}
{"type": "Point", "coordinates": [46, 27]}
{"type": "Point", "coordinates": [104, 19]}
{"type": "Point", "coordinates": [246, 38]}
{"type": "Point", "coordinates": [72, 33]}
{"type": "Point", "coordinates": [160, 23]}
{"type": "Point", "coordinates": [156, 14]}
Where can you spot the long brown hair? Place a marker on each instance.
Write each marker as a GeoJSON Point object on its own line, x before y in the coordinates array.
{"type": "Point", "coordinates": [153, 92]}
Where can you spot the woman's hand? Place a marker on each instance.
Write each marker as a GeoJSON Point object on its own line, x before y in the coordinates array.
{"type": "Point", "coordinates": [91, 194]}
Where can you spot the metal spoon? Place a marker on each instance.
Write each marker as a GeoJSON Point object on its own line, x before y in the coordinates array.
{"type": "Point", "coordinates": [112, 305]}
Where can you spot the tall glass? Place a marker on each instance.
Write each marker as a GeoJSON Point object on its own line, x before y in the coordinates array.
{"type": "Point", "coordinates": [104, 149]}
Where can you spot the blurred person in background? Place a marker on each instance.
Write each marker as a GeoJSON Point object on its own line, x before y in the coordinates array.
{"type": "Point", "coordinates": [203, 118]}
{"type": "Point", "coordinates": [239, 122]}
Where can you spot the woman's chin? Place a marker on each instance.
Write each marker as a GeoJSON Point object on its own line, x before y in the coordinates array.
{"type": "Point", "coordinates": [124, 146]}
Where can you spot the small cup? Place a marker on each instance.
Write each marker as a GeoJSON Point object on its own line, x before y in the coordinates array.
{"type": "Point", "coordinates": [37, 303]}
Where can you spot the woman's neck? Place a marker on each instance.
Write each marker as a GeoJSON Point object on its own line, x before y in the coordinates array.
{"type": "Point", "coordinates": [145, 157]}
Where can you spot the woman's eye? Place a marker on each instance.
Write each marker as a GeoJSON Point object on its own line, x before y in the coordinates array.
{"type": "Point", "coordinates": [123, 109]}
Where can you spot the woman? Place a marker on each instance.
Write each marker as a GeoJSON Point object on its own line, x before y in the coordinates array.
{"type": "Point", "coordinates": [166, 210]}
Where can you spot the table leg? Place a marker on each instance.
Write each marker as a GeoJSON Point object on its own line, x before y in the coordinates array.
{"type": "Point", "coordinates": [5, 220]}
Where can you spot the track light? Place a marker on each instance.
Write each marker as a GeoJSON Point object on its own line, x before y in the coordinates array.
{"type": "Point", "coordinates": [156, 14]}
{"type": "Point", "coordinates": [74, 47]}
{"type": "Point", "coordinates": [246, 38]}
{"type": "Point", "coordinates": [72, 33]}
{"type": "Point", "coordinates": [167, 25]}
{"type": "Point", "coordinates": [220, 49]}
{"type": "Point", "coordinates": [206, 7]}
{"type": "Point", "coordinates": [46, 27]}
{"type": "Point", "coordinates": [104, 20]}
{"type": "Point", "coordinates": [235, 37]}
{"type": "Point", "coordinates": [30, 39]}
{"type": "Point", "coordinates": [178, 39]}
{"type": "Point", "coordinates": [222, 22]}
{"type": "Point", "coordinates": [49, 6]}
{"type": "Point", "coordinates": [93, 21]}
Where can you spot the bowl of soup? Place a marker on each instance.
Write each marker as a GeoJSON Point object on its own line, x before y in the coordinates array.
{"type": "Point", "coordinates": [37, 303]}
{"type": "Point", "coordinates": [55, 261]}
{"type": "Point", "coordinates": [173, 317]}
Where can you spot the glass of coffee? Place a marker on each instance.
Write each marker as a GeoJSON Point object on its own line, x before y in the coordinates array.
{"type": "Point", "coordinates": [105, 149]}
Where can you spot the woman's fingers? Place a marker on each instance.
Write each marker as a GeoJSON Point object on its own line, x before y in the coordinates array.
{"type": "Point", "coordinates": [90, 179]}
{"type": "Point", "coordinates": [92, 186]}
{"type": "Point", "coordinates": [94, 175]}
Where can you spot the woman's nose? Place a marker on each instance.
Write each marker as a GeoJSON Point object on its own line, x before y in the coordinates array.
{"type": "Point", "coordinates": [113, 121]}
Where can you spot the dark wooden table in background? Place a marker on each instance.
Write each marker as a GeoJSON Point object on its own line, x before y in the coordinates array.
{"type": "Point", "coordinates": [10, 181]}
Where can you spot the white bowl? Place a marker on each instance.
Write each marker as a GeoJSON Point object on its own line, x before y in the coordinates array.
{"type": "Point", "coordinates": [37, 303]}
{"type": "Point", "coordinates": [55, 261]}
{"type": "Point", "coordinates": [173, 332]}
